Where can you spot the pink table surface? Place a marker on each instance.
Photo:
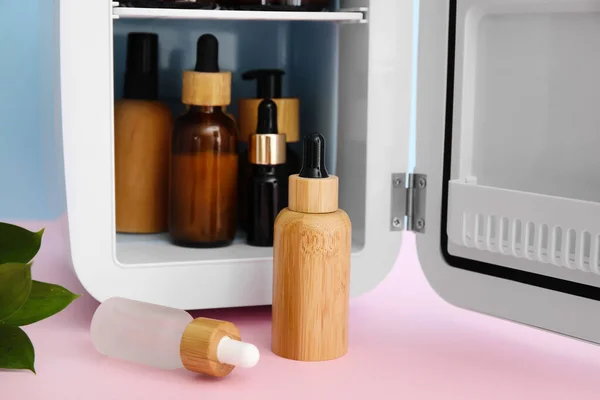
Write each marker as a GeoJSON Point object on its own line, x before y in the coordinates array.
{"type": "Point", "coordinates": [405, 343]}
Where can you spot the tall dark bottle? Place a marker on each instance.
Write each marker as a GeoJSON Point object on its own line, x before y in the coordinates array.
{"type": "Point", "coordinates": [267, 190]}
{"type": "Point", "coordinates": [269, 85]}
{"type": "Point", "coordinates": [204, 156]}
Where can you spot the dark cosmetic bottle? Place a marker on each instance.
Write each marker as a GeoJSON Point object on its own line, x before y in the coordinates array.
{"type": "Point", "coordinates": [268, 86]}
{"type": "Point", "coordinates": [267, 190]}
{"type": "Point", "coordinates": [279, 5]}
{"type": "Point", "coordinates": [204, 157]}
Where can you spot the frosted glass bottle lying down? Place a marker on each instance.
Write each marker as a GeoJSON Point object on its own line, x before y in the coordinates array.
{"type": "Point", "coordinates": [169, 338]}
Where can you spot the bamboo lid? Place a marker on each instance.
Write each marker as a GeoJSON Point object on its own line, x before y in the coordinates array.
{"type": "Point", "coordinates": [267, 149]}
{"type": "Point", "coordinates": [206, 88]}
{"type": "Point", "coordinates": [288, 118]}
{"type": "Point", "coordinates": [313, 196]}
{"type": "Point", "coordinates": [313, 190]}
{"type": "Point", "coordinates": [200, 343]}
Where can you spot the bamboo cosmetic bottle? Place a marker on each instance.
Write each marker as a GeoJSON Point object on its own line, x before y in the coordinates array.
{"type": "Point", "coordinates": [311, 265]}
{"type": "Point", "coordinates": [142, 142]}
{"type": "Point", "coordinates": [204, 162]}
{"type": "Point", "coordinates": [267, 192]}
{"type": "Point", "coordinates": [169, 338]}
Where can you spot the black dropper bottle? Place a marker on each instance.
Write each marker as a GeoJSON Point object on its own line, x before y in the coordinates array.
{"type": "Point", "coordinates": [267, 189]}
{"type": "Point", "coordinates": [269, 85]}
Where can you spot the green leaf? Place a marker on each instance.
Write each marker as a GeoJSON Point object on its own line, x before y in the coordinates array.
{"type": "Point", "coordinates": [16, 350]}
{"type": "Point", "coordinates": [44, 300]}
{"type": "Point", "coordinates": [15, 285]}
{"type": "Point", "coordinates": [18, 245]}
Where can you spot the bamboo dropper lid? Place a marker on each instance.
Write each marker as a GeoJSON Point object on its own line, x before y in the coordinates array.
{"type": "Point", "coordinates": [313, 190]}
{"type": "Point", "coordinates": [267, 146]}
{"type": "Point", "coordinates": [206, 85]}
{"type": "Point", "coordinates": [214, 348]}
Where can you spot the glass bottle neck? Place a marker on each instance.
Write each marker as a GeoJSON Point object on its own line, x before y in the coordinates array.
{"type": "Point", "coordinates": [206, 109]}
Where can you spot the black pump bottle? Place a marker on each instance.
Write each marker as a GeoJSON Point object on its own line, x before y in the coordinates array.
{"type": "Point", "coordinates": [267, 186]}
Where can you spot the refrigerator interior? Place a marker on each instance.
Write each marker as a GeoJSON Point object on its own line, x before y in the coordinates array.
{"type": "Point", "coordinates": [525, 187]}
{"type": "Point", "coordinates": [309, 53]}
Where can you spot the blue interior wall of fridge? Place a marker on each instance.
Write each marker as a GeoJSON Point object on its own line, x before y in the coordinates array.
{"type": "Point", "coordinates": [31, 166]}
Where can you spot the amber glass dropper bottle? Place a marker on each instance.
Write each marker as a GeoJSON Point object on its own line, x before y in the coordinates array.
{"type": "Point", "coordinates": [204, 160]}
{"type": "Point", "coordinates": [267, 190]}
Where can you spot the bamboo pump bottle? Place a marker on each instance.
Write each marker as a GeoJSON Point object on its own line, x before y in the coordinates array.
{"type": "Point", "coordinates": [169, 338]}
{"type": "Point", "coordinates": [267, 192]}
{"type": "Point", "coordinates": [142, 142]}
{"type": "Point", "coordinates": [204, 162]}
{"type": "Point", "coordinates": [311, 265]}
{"type": "Point", "coordinates": [268, 86]}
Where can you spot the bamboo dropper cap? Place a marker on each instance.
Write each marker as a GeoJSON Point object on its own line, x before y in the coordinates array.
{"type": "Point", "coordinates": [313, 190]}
{"type": "Point", "coordinates": [214, 348]}
{"type": "Point", "coordinates": [267, 146]}
{"type": "Point", "coordinates": [206, 85]}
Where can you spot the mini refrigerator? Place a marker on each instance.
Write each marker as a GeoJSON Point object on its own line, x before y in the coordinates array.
{"type": "Point", "coordinates": [504, 195]}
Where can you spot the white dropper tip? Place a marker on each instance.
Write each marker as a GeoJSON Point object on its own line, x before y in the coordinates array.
{"type": "Point", "coordinates": [236, 353]}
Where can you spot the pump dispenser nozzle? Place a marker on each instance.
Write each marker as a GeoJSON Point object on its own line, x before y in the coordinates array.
{"type": "Point", "coordinates": [268, 82]}
{"type": "Point", "coordinates": [207, 54]}
{"type": "Point", "coordinates": [267, 117]}
{"type": "Point", "coordinates": [313, 162]}
{"type": "Point", "coordinates": [141, 72]}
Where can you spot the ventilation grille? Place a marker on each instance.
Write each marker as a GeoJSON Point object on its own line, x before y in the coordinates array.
{"type": "Point", "coordinates": [526, 226]}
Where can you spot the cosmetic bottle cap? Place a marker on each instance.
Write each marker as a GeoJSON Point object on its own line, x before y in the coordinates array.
{"type": "Point", "coordinates": [313, 190]}
{"type": "Point", "coordinates": [267, 146]}
{"type": "Point", "coordinates": [214, 348]}
{"type": "Point", "coordinates": [268, 82]}
{"type": "Point", "coordinates": [141, 69]}
{"type": "Point", "coordinates": [206, 85]}
{"type": "Point", "coordinates": [313, 157]}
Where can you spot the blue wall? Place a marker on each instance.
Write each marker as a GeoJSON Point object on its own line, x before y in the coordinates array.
{"type": "Point", "coordinates": [31, 170]}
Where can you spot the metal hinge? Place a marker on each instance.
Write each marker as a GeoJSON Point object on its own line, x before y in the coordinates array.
{"type": "Point", "coordinates": [408, 202]}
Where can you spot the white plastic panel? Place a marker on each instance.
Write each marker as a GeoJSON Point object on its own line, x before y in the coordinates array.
{"type": "Point", "coordinates": [228, 15]}
{"type": "Point", "coordinates": [364, 112]}
{"type": "Point", "coordinates": [524, 134]}
{"type": "Point", "coordinates": [550, 304]}
{"type": "Point", "coordinates": [548, 235]}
